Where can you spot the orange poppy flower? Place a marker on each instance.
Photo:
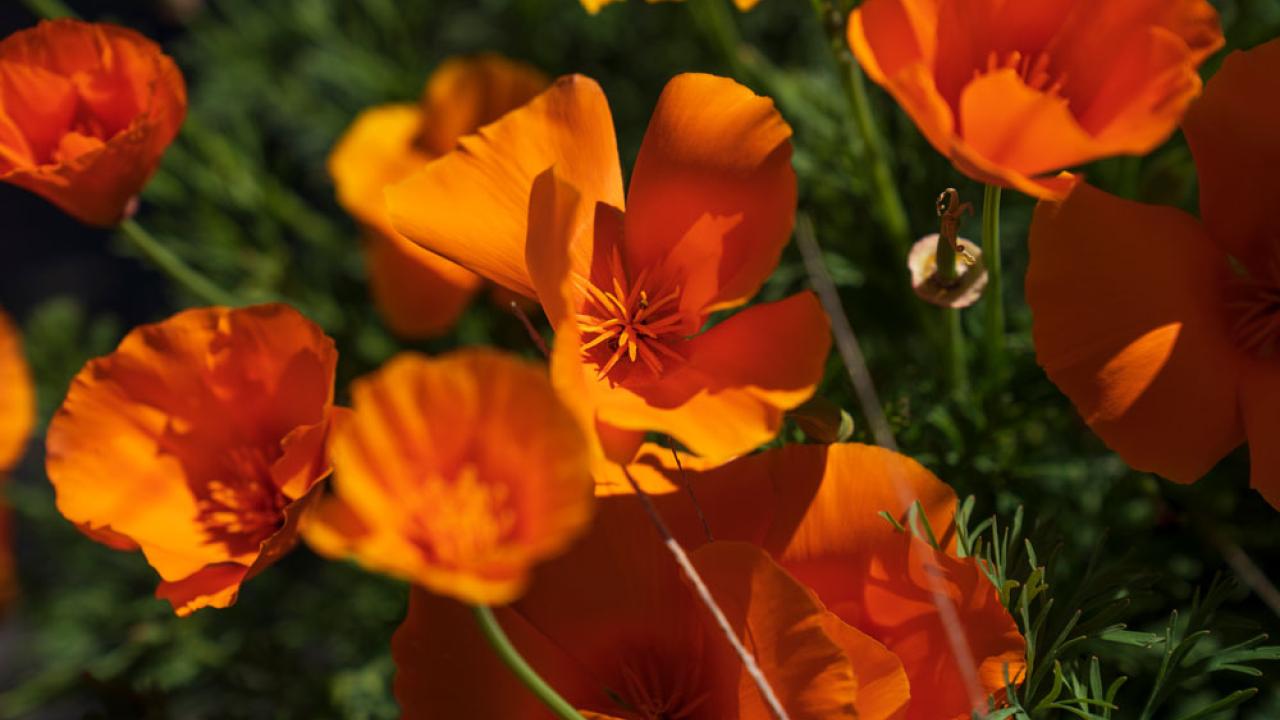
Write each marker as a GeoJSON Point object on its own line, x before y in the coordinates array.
{"type": "Point", "coordinates": [419, 293]}
{"type": "Point", "coordinates": [535, 202]}
{"type": "Point", "coordinates": [86, 111]}
{"type": "Point", "coordinates": [816, 510]}
{"type": "Point", "coordinates": [615, 628]}
{"type": "Point", "coordinates": [198, 441]}
{"type": "Point", "coordinates": [457, 474]}
{"type": "Point", "coordinates": [1164, 330]}
{"type": "Point", "coordinates": [17, 418]}
{"type": "Point", "coordinates": [1012, 92]}
{"type": "Point", "coordinates": [593, 6]}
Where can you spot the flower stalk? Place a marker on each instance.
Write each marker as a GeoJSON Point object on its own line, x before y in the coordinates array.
{"type": "Point", "coordinates": [50, 9]}
{"type": "Point", "coordinates": [170, 264]}
{"type": "Point", "coordinates": [512, 658]}
{"type": "Point", "coordinates": [995, 286]}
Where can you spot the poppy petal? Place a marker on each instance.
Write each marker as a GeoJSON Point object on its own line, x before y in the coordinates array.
{"type": "Point", "coordinates": [1232, 133]}
{"type": "Point", "coordinates": [18, 401]}
{"type": "Point", "coordinates": [1125, 300]}
{"type": "Point", "coordinates": [1259, 390]}
{"type": "Point", "coordinates": [884, 691]}
{"type": "Point", "coordinates": [713, 195]}
{"type": "Point", "coordinates": [193, 414]}
{"type": "Point", "coordinates": [472, 205]}
{"type": "Point", "coordinates": [467, 93]}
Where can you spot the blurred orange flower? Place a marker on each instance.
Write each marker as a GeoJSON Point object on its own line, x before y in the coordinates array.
{"type": "Point", "coordinates": [17, 418]}
{"type": "Point", "coordinates": [534, 202]}
{"type": "Point", "coordinates": [457, 474]}
{"type": "Point", "coordinates": [419, 293]}
{"type": "Point", "coordinates": [815, 509]}
{"type": "Point", "coordinates": [1012, 92]}
{"type": "Point", "coordinates": [1164, 330]}
{"type": "Point", "coordinates": [593, 6]}
{"type": "Point", "coordinates": [613, 626]}
{"type": "Point", "coordinates": [198, 441]}
{"type": "Point", "coordinates": [86, 111]}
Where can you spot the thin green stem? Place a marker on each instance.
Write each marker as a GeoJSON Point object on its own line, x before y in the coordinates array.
{"type": "Point", "coordinates": [50, 9]}
{"type": "Point", "coordinates": [170, 264]}
{"type": "Point", "coordinates": [946, 262]}
{"type": "Point", "coordinates": [494, 633]}
{"type": "Point", "coordinates": [885, 188]}
{"type": "Point", "coordinates": [995, 283]}
{"type": "Point", "coordinates": [957, 372]}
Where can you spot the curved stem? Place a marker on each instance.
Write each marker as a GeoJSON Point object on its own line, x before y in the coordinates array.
{"type": "Point", "coordinates": [170, 264]}
{"type": "Point", "coordinates": [494, 633]}
{"type": "Point", "coordinates": [995, 282]}
{"type": "Point", "coordinates": [888, 201]}
{"type": "Point", "coordinates": [50, 9]}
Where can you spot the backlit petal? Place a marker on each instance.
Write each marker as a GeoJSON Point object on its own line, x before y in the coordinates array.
{"type": "Point", "coordinates": [1127, 322]}
{"type": "Point", "coordinates": [17, 398]}
{"type": "Point", "coordinates": [472, 205]}
{"type": "Point", "coordinates": [712, 198]}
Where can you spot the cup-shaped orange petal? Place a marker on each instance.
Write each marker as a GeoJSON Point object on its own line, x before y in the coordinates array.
{"type": "Point", "coordinates": [617, 630]}
{"type": "Point", "coordinates": [17, 396]}
{"type": "Point", "coordinates": [88, 109]}
{"type": "Point", "coordinates": [1014, 92]}
{"type": "Point", "coordinates": [817, 510]}
{"type": "Point", "coordinates": [419, 293]}
{"type": "Point", "coordinates": [458, 474]}
{"type": "Point", "coordinates": [198, 441]}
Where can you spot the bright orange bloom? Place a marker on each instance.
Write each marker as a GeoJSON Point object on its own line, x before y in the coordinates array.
{"type": "Point", "coordinates": [1164, 330]}
{"type": "Point", "coordinates": [615, 628]}
{"type": "Point", "coordinates": [198, 441]}
{"type": "Point", "coordinates": [17, 417]}
{"type": "Point", "coordinates": [418, 293]}
{"type": "Point", "coordinates": [534, 202]}
{"type": "Point", "coordinates": [457, 474]}
{"type": "Point", "coordinates": [86, 111]}
{"type": "Point", "coordinates": [1014, 91]}
{"type": "Point", "coordinates": [593, 6]}
{"type": "Point", "coordinates": [634, 630]}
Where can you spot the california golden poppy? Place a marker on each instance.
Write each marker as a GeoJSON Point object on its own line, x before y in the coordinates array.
{"type": "Point", "coordinates": [419, 293]}
{"type": "Point", "coordinates": [199, 442]}
{"type": "Point", "coordinates": [1012, 92]}
{"type": "Point", "coordinates": [1164, 330]}
{"type": "Point", "coordinates": [593, 6]}
{"type": "Point", "coordinates": [816, 510]}
{"type": "Point", "coordinates": [613, 626]}
{"type": "Point", "coordinates": [457, 474]}
{"type": "Point", "coordinates": [17, 418]}
{"type": "Point", "coordinates": [534, 202]}
{"type": "Point", "coordinates": [88, 109]}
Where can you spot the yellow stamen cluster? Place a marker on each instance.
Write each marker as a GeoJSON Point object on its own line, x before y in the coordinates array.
{"type": "Point", "coordinates": [634, 325]}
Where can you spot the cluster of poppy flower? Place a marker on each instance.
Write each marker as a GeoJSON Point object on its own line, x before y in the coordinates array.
{"type": "Point", "coordinates": [203, 441]}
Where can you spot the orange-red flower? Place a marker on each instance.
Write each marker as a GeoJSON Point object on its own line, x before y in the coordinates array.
{"type": "Point", "coordinates": [419, 293]}
{"type": "Point", "coordinates": [612, 618]}
{"type": "Point", "coordinates": [86, 111]}
{"type": "Point", "coordinates": [535, 202]}
{"type": "Point", "coordinates": [615, 628]}
{"type": "Point", "coordinates": [198, 441]}
{"type": "Point", "coordinates": [593, 6]}
{"type": "Point", "coordinates": [1012, 92]}
{"type": "Point", "coordinates": [1164, 330]}
{"type": "Point", "coordinates": [17, 417]}
{"type": "Point", "coordinates": [457, 474]}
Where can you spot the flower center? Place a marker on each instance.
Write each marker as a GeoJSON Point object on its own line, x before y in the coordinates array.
{"type": "Point", "coordinates": [466, 517]}
{"type": "Point", "coordinates": [655, 693]}
{"type": "Point", "coordinates": [1033, 68]}
{"type": "Point", "coordinates": [1253, 301]}
{"type": "Point", "coordinates": [627, 321]}
{"type": "Point", "coordinates": [245, 508]}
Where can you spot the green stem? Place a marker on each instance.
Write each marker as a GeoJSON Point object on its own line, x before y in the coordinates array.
{"type": "Point", "coordinates": [511, 657]}
{"type": "Point", "coordinates": [50, 9]}
{"type": "Point", "coordinates": [884, 187]}
{"type": "Point", "coordinates": [958, 376]}
{"type": "Point", "coordinates": [717, 22]}
{"type": "Point", "coordinates": [995, 282]}
{"type": "Point", "coordinates": [945, 260]}
{"type": "Point", "coordinates": [170, 264]}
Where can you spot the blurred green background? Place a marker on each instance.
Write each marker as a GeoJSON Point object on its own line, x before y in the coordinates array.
{"type": "Point", "coordinates": [244, 197]}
